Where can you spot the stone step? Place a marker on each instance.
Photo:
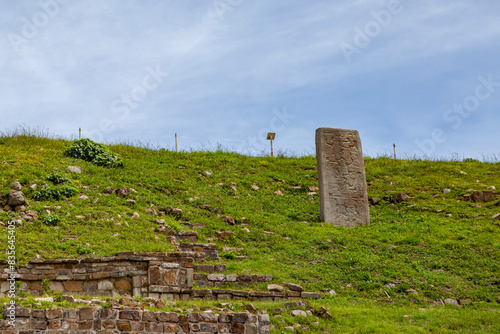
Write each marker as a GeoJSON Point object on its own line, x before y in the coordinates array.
{"type": "Point", "coordinates": [204, 251]}
{"type": "Point", "coordinates": [210, 268]}
{"type": "Point", "coordinates": [191, 236]}
{"type": "Point", "coordinates": [219, 280]}
{"type": "Point", "coordinates": [264, 296]}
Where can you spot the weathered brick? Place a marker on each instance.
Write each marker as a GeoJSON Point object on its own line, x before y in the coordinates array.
{"type": "Point", "coordinates": [108, 324]}
{"type": "Point", "coordinates": [22, 323]}
{"type": "Point", "coordinates": [69, 324]}
{"type": "Point", "coordinates": [54, 314]}
{"type": "Point", "coordinates": [124, 325]}
{"type": "Point", "coordinates": [148, 316]}
{"type": "Point", "coordinates": [137, 326]}
{"type": "Point", "coordinates": [156, 327]}
{"type": "Point", "coordinates": [86, 313]}
{"type": "Point", "coordinates": [38, 324]}
{"type": "Point", "coordinates": [154, 276]}
{"type": "Point", "coordinates": [73, 286]}
{"type": "Point", "coordinates": [239, 317]}
{"type": "Point", "coordinates": [107, 313]}
{"type": "Point", "coordinates": [167, 317]}
{"type": "Point", "coordinates": [237, 328]}
{"type": "Point", "coordinates": [203, 317]}
{"type": "Point", "coordinates": [130, 315]}
{"type": "Point", "coordinates": [123, 284]}
{"type": "Point", "coordinates": [23, 312]}
{"type": "Point", "coordinates": [70, 313]}
{"type": "Point", "coordinates": [54, 324]}
{"type": "Point", "coordinates": [85, 324]}
{"type": "Point", "coordinates": [171, 276]}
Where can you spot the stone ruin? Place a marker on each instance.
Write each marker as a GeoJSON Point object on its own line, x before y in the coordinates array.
{"type": "Point", "coordinates": [341, 176]}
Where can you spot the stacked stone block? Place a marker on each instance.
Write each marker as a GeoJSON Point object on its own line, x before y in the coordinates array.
{"type": "Point", "coordinates": [131, 320]}
{"type": "Point", "coordinates": [168, 275]}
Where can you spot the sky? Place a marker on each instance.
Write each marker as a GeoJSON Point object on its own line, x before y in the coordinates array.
{"type": "Point", "coordinates": [423, 75]}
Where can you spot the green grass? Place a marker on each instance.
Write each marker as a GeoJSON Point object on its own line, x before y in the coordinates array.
{"type": "Point", "coordinates": [407, 245]}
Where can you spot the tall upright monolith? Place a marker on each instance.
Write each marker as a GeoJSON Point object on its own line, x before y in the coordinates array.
{"type": "Point", "coordinates": [343, 196]}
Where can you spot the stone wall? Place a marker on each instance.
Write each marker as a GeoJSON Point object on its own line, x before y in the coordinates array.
{"type": "Point", "coordinates": [201, 251]}
{"type": "Point", "coordinates": [88, 320]}
{"type": "Point", "coordinates": [158, 275]}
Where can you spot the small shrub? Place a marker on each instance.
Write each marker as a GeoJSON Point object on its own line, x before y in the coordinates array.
{"type": "Point", "coordinates": [51, 220]}
{"type": "Point", "coordinates": [83, 249]}
{"type": "Point", "coordinates": [229, 255]}
{"type": "Point", "coordinates": [470, 160]}
{"type": "Point", "coordinates": [46, 286]}
{"type": "Point", "coordinates": [57, 178]}
{"type": "Point", "coordinates": [96, 153]}
{"type": "Point", "coordinates": [55, 193]}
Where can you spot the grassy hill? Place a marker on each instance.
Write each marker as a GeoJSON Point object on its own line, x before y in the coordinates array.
{"type": "Point", "coordinates": [434, 246]}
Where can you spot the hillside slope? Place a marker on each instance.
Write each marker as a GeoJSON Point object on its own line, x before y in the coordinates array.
{"type": "Point", "coordinates": [436, 245]}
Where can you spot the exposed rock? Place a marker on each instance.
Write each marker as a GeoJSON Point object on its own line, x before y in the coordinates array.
{"type": "Point", "coordinates": [332, 293]}
{"type": "Point", "coordinates": [411, 292]}
{"type": "Point", "coordinates": [250, 308]}
{"type": "Point", "coordinates": [15, 186]}
{"type": "Point", "coordinates": [32, 186]}
{"type": "Point", "coordinates": [400, 197]}
{"type": "Point", "coordinates": [75, 169]}
{"type": "Point", "coordinates": [278, 192]}
{"type": "Point", "coordinates": [130, 201]}
{"type": "Point", "coordinates": [496, 216]}
{"type": "Point", "coordinates": [255, 187]}
{"type": "Point", "coordinates": [450, 301]}
{"type": "Point", "coordinates": [295, 287]}
{"type": "Point", "coordinates": [83, 197]}
{"type": "Point", "coordinates": [446, 191]}
{"type": "Point", "coordinates": [298, 313]}
{"type": "Point", "coordinates": [483, 196]}
{"type": "Point", "coordinates": [152, 212]}
{"type": "Point", "coordinates": [135, 215]}
{"type": "Point", "coordinates": [174, 211]}
{"type": "Point", "coordinates": [20, 208]}
{"type": "Point", "coordinates": [208, 172]}
{"type": "Point", "coordinates": [295, 304]}
{"type": "Point", "coordinates": [275, 287]}
{"type": "Point", "coordinates": [123, 192]}
{"type": "Point", "coordinates": [492, 188]}
{"type": "Point", "coordinates": [223, 235]}
{"type": "Point", "coordinates": [229, 220]}
{"type": "Point", "coordinates": [373, 200]}
{"type": "Point", "coordinates": [16, 198]}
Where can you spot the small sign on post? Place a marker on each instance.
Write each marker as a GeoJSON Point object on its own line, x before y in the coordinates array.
{"type": "Point", "coordinates": [271, 136]}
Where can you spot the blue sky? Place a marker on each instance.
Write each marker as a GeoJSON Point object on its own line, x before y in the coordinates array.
{"type": "Point", "coordinates": [424, 75]}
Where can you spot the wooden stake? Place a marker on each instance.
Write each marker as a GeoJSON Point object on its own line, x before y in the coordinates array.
{"type": "Point", "coordinates": [394, 145]}
{"type": "Point", "coordinates": [272, 148]}
{"type": "Point", "coordinates": [79, 133]}
{"type": "Point", "coordinates": [176, 143]}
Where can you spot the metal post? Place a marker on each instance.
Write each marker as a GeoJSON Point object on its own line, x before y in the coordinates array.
{"type": "Point", "coordinates": [272, 149]}
{"type": "Point", "coordinates": [394, 145]}
{"type": "Point", "coordinates": [176, 143]}
{"type": "Point", "coordinates": [80, 133]}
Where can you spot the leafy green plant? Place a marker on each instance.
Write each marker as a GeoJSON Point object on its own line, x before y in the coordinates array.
{"type": "Point", "coordinates": [57, 178]}
{"type": "Point", "coordinates": [470, 160]}
{"type": "Point", "coordinates": [96, 153]}
{"type": "Point", "coordinates": [84, 249]}
{"type": "Point", "coordinates": [51, 220]}
{"type": "Point", "coordinates": [55, 193]}
{"type": "Point", "coordinates": [46, 286]}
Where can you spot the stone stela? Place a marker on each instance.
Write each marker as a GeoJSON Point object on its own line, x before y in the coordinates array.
{"type": "Point", "coordinates": [341, 175]}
